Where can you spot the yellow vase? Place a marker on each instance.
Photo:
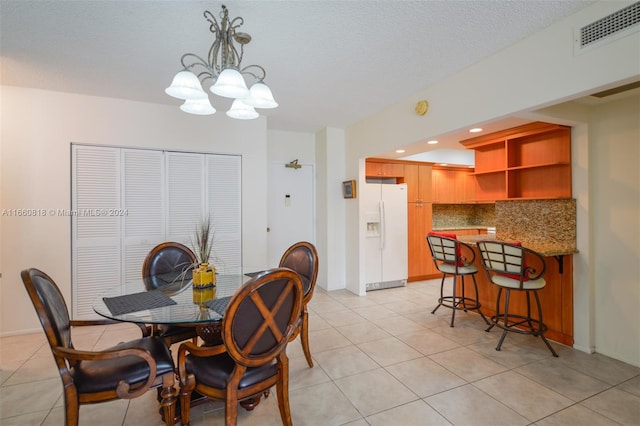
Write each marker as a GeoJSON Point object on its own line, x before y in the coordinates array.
{"type": "Point", "coordinates": [204, 280]}
{"type": "Point", "coordinates": [204, 275]}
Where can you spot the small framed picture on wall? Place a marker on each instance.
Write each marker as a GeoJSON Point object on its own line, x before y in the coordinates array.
{"type": "Point", "coordinates": [349, 189]}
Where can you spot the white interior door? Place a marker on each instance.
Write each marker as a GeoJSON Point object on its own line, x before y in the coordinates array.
{"type": "Point", "coordinates": [291, 209]}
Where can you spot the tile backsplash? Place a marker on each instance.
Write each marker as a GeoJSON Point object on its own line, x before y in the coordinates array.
{"type": "Point", "coordinates": [538, 222]}
{"type": "Point", "coordinates": [463, 215]}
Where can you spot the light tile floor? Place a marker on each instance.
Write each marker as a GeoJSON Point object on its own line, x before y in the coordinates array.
{"type": "Point", "coordinates": [383, 359]}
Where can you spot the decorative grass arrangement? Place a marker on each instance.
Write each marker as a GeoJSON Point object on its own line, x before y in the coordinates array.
{"type": "Point", "coordinates": [203, 243]}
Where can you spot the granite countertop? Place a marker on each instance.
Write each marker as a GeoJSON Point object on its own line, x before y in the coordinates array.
{"type": "Point", "coordinates": [545, 249]}
{"type": "Point", "coordinates": [547, 226]}
{"type": "Point", "coordinates": [453, 228]}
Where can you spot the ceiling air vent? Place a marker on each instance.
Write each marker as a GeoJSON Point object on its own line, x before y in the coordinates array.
{"type": "Point", "coordinates": [620, 23]}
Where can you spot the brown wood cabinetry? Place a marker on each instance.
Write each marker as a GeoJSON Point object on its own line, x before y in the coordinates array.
{"type": "Point", "coordinates": [453, 186]}
{"type": "Point", "coordinates": [418, 180]}
{"type": "Point", "coordinates": [526, 162]}
{"type": "Point", "coordinates": [419, 224]}
{"type": "Point", "coordinates": [375, 169]}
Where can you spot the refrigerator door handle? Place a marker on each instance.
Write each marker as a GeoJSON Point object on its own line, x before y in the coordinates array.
{"type": "Point", "coordinates": [382, 224]}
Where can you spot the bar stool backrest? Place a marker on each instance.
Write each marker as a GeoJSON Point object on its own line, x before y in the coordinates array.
{"type": "Point", "coordinates": [511, 260]}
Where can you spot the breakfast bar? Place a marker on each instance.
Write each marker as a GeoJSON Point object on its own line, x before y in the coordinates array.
{"type": "Point", "coordinates": [547, 227]}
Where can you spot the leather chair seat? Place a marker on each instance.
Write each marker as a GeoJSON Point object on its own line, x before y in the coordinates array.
{"type": "Point", "coordinates": [215, 371]}
{"type": "Point", "coordinates": [98, 376]}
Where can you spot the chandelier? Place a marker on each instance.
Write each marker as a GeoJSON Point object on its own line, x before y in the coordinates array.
{"type": "Point", "coordinates": [223, 67]}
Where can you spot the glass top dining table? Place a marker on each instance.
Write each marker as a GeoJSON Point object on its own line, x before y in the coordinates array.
{"type": "Point", "coordinates": [169, 299]}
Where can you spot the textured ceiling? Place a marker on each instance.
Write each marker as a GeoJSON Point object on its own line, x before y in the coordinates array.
{"type": "Point", "coordinates": [329, 63]}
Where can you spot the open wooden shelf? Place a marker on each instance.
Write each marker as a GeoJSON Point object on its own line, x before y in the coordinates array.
{"type": "Point", "coordinates": [526, 162]}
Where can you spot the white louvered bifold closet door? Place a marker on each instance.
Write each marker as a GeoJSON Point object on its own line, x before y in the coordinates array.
{"type": "Point", "coordinates": [225, 208]}
{"type": "Point", "coordinates": [129, 200]}
{"type": "Point", "coordinates": [96, 248]}
{"type": "Point", "coordinates": [185, 195]}
{"type": "Point", "coordinates": [144, 200]}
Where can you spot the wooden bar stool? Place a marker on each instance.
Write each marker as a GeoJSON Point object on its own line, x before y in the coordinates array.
{"type": "Point", "coordinates": [513, 267]}
{"type": "Point", "coordinates": [455, 258]}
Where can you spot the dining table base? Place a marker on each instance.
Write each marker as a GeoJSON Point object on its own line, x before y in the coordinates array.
{"type": "Point", "coordinates": [210, 333]}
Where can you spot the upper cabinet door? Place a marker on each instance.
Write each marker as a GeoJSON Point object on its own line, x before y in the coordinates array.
{"type": "Point", "coordinates": [451, 186]}
{"type": "Point", "coordinates": [418, 180]}
{"type": "Point", "coordinates": [374, 169]}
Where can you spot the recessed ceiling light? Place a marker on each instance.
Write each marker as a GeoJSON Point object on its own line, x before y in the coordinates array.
{"type": "Point", "coordinates": [475, 130]}
{"type": "Point", "coordinates": [433, 142]}
{"type": "Point", "coordinates": [399, 151]}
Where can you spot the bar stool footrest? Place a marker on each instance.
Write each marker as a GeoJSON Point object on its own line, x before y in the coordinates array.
{"type": "Point", "coordinates": [459, 303]}
{"type": "Point", "coordinates": [522, 326]}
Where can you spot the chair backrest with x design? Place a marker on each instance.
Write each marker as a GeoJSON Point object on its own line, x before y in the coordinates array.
{"type": "Point", "coordinates": [261, 316]}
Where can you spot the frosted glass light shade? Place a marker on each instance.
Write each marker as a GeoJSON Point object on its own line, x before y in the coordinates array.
{"type": "Point", "coordinates": [198, 106]}
{"type": "Point", "coordinates": [230, 84]}
{"type": "Point", "coordinates": [185, 85]}
{"type": "Point", "coordinates": [242, 111]}
{"type": "Point", "coordinates": [260, 96]}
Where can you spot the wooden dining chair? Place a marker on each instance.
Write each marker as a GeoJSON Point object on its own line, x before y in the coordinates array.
{"type": "Point", "coordinates": [124, 371]}
{"type": "Point", "coordinates": [257, 325]}
{"type": "Point", "coordinates": [165, 264]}
{"type": "Point", "coordinates": [302, 257]}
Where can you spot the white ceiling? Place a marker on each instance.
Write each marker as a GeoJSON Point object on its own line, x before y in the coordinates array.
{"type": "Point", "coordinates": [329, 63]}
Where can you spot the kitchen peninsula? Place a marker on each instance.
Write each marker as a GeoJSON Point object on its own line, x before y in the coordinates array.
{"type": "Point", "coordinates": [548, 227]}
{"type": "Point", "coordinates": [526, 171]}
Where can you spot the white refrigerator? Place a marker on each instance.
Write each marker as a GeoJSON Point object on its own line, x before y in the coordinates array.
{"type": "Point", "coordinates": [386, 246]}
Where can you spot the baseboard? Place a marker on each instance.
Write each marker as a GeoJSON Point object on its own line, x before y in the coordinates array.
{"type": "Point", "coordinates": [386, 284]}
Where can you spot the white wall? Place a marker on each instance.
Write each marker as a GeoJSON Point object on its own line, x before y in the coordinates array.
{"type": "Point", "coordinates": [326, 151]}
{"type": "Point", "coordinates": [331, 208]}
{"type": "Point", "coordinates": [37, 130]}
{"type": "Point", "coordinates": [615, 207]}
{"type": "Point", "coordinates": [284, 147]}
{"type": "Point", "coordinates": [540, 71]}
{"type": "Point", "coordinates": [606, 185]}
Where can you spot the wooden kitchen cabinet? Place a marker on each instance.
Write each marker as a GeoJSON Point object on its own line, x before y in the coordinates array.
{"type": "Point", "coordinates": [526, 162]}
{"type": "Point", "coordinates": [418, 180]}
{"type": "Point", "coordinates": [421, 265]}
{"type": "Point", "coordinates": [453, 186]}
{"type": "Point", "coordinates": [375, 169]}
{"type": "Point", "coordinates": [420, 213]}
